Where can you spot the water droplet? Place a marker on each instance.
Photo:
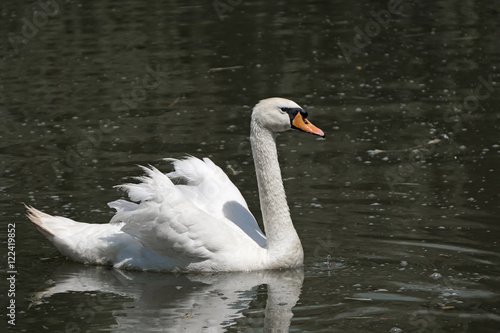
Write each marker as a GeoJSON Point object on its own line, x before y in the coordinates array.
{"type": "Point", "coordinates": [395, 330]}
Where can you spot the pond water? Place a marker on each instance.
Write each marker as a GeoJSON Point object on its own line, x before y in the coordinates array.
{"type": "Point", "coordinates": [397, 209]}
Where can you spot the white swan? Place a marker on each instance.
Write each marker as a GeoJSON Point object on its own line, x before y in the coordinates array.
{"type": "Point", "coordinates": [201, 225]}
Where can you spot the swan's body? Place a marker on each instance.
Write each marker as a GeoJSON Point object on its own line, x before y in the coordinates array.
{"type": "Point", "coordinates": [203, 224]}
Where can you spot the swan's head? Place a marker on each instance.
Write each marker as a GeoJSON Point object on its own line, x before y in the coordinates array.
{"type": "Point", "coordinates": [281, 114]}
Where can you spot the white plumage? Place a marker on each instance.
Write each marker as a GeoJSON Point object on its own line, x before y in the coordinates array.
{"type": "Point", "coordinates": [194, 218]}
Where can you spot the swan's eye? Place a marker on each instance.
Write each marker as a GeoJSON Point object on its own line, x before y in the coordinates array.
{"type": "Point", "coordinates": [289, 110]}
{"type": "Point", "coordinates": [292, 112]}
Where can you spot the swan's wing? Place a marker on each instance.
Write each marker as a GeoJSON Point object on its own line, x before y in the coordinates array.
{"type": "Point", "coordinates": [176, 220]}
{"type": "Point", "coordinates": [211, 190]}
{"type": "Point", "coordinates": [206, 182]}
{"type": "Point", "coordinates": [166, 221]}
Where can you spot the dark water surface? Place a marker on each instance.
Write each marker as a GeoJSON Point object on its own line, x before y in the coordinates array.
{"type": "Point", "coordinates": [398, 208]}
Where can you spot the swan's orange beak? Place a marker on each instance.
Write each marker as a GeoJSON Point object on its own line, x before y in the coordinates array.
{"type": "Point", "coordinates": [305, 125]}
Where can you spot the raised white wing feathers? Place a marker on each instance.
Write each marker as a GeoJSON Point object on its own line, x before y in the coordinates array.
{"type": "Point", "coordinates": [206, 214]}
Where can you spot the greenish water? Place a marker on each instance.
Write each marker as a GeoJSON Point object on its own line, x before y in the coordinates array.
{"type": "Point", "coordinates": [397, 208]}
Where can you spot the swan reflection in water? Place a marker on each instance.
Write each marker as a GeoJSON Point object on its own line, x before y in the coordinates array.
{"type": "Point", "coordinates": [208, 302]}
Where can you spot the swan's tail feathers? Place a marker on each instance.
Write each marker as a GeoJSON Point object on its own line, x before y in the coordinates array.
{"type": "Point", "coordinates": [85, 242]}
{"type": "Point", "coordinates": [50, 226]}
{"type": "Point", "coordinates": [41, 220]}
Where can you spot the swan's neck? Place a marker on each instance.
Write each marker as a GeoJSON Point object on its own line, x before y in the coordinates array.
{"type": "Point", "coordinates": [282, 239]}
